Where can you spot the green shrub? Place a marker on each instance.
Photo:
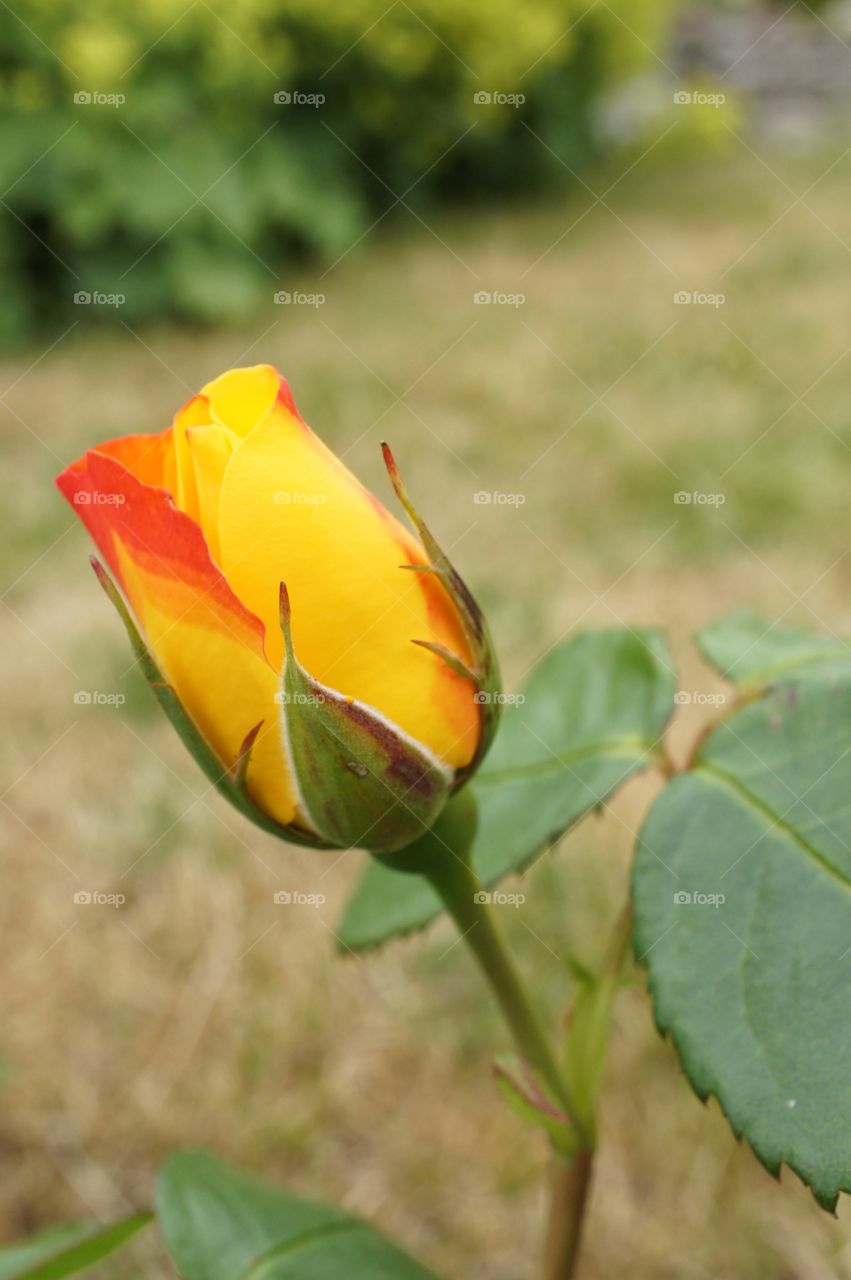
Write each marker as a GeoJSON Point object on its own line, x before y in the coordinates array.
{"type": "Point", "coordinates": [189, 195]}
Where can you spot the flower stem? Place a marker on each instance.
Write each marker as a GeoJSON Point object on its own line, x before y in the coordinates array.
{"type": "Point", "coordinates": [459, 890]}
{"type": "Point", "coordinates": [461, 895]}
{"type": "Point", "coordinates": [571, 1185]}
{"type": "Point", "coordinates": [442, 858]}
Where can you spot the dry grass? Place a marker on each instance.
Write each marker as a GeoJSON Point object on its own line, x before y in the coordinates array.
{"type": "Point", "coordinates": [200, 1013]}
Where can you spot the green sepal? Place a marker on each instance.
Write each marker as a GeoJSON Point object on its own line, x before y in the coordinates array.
{"type": "Point", "coordinates": [444, 846]}
{"type": "Point", "coordinates": [361, 780]}
{"type": "Point", "coordinates": [586, 1041]}
{"type": "Point", "coordinates": [484, 673]}
{"type": "Point", "coordinates": [530, 1100]}
{"type": "Point", "coordinates": [230, 783]}
{"type": "Point", "coordinates": [451, 659]}
{"type": "Point", "coordinates": [589, 1021]}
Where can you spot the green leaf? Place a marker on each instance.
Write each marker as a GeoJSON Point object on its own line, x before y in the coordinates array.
{"type": "Point", "coordinates": [753, 652]}
{"type": "Point", "coordinates": [742, 897]}
{"type": "Point", "coordinates": [26, 1253]}
{"type": "Point", "coordinates": [65, 1250]}
{"type": "Point", "coordinates": [591, 715]}
{"type": "Point", "coordinates": [221, 1224]}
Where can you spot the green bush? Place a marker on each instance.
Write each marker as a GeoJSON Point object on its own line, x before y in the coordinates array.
{"type": "Point", "coordinates": [187, 196]}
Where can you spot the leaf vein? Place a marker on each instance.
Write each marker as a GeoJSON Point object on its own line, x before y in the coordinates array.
{"type": "Point", "coordinates": [776, 821]}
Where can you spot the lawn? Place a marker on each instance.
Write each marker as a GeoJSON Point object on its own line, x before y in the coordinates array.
{"type": "Point", "coordinates": [200, 1012]}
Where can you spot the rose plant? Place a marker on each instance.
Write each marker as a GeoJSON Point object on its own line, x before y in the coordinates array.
{"type": "Point", "coordinates": [333, 676]}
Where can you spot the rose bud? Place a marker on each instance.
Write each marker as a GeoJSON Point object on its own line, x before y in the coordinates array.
{"type": "Point", "coordinates": [327, 667]}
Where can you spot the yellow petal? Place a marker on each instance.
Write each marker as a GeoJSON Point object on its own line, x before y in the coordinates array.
{"type": "Point", "coordinates": [290, 511]}
{"type": "Point", "coordinates": [241, 398]}
{"type": "Point", "coordinates": [182, 484]}
{"type": "Point", "coordinates": [210, 449]}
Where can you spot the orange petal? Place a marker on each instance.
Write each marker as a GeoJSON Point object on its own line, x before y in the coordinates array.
{"type": "Point", "coordinates": [207, 644]}
{"type": "Point", "coordinates": [149, 457]}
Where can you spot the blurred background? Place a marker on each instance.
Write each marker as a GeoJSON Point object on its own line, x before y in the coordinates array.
{"type": "Point", "coordinates": [586, 264]}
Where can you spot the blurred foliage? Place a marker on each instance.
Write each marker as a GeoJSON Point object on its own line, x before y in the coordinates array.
{"type": "Point", "coordinates": [143, 152]}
